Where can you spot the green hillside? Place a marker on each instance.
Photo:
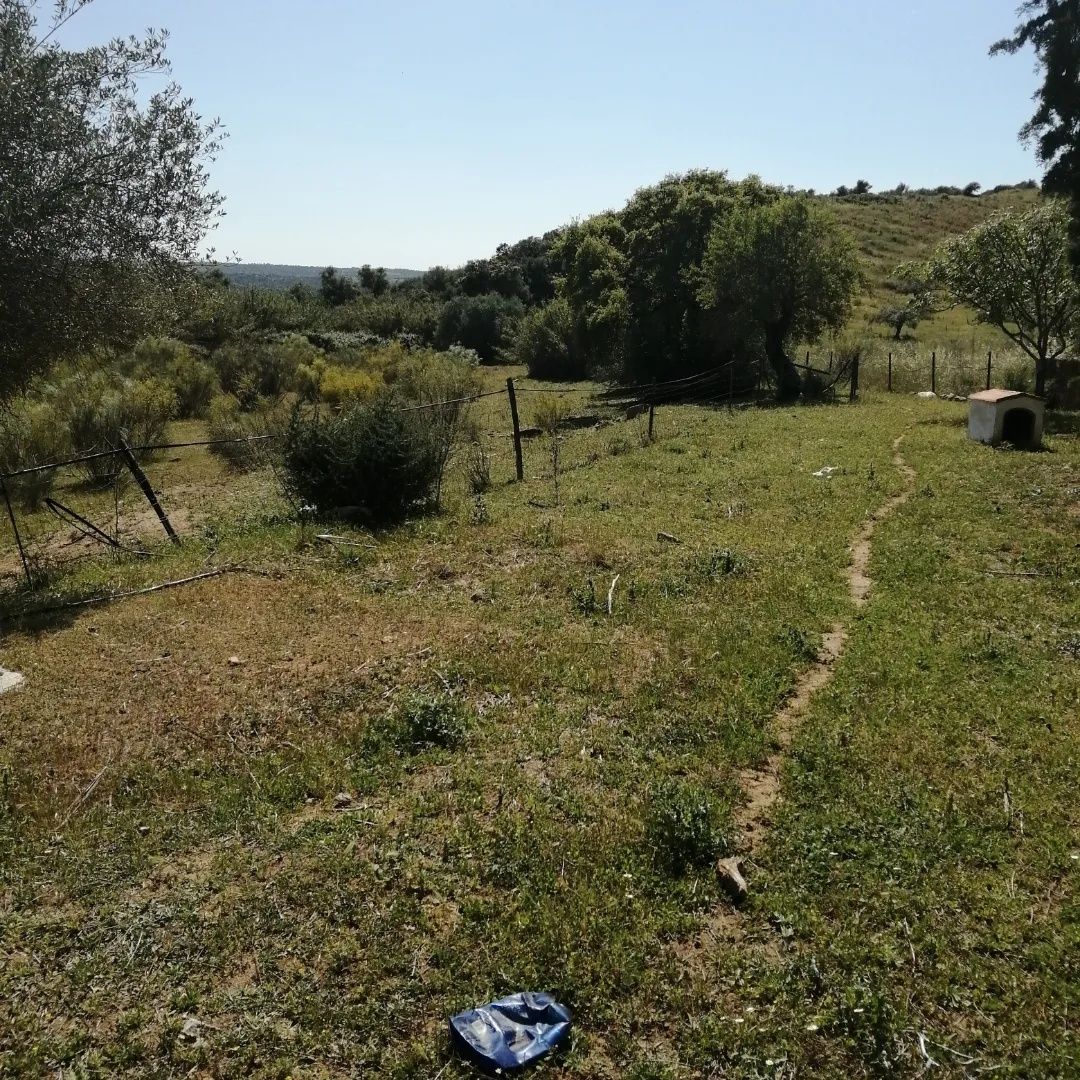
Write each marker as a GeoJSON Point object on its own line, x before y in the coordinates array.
{"type": "Point", "coordinates": [891, 229]}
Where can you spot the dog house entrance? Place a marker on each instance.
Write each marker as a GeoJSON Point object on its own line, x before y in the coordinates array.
{"type": "Point", "coordinates": [1018, 427]}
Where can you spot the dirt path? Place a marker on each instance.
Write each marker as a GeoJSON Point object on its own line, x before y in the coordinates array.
{"type": "Point", "coordinates": [762, 785]}
{"type": "Point", "coordinates": [725, 926]}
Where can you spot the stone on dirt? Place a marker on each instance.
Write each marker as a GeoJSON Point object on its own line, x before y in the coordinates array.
{"type": "Point", "coordinates": [9, 680]}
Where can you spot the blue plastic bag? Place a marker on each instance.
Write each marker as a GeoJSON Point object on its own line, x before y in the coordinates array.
{"type": "Point", "coordinates": [511, 1032]}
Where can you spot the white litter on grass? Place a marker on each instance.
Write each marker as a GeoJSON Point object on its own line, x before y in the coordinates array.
{"type": "Point", "coordinates": [825, 472]}
{"type": "Point", "coordinates": [9, 680]}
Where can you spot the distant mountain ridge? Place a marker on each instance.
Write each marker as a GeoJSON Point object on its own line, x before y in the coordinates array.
{"type": "Point", "coordinates": [283, 275]}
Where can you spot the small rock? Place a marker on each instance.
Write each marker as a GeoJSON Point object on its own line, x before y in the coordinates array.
{"type": "Point", "coordinates": [235, 661]}
{"type": "Point", "coordinates": [190, 1030]}
{"type": "Point", "coordinates": [342, 799]}
{"type": "Point", "coordinates": [926, 395]}
{"type": "Point", "coordinates": [730, 874]}
{"type": "Point", "coordinates": [9, 680]}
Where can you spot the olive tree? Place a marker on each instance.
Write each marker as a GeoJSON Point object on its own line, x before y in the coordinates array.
{"type": "Point", "coordinates": [1013, 269]}
{"type": "Point", "coordinates": [104, 198]}
{"type": "Point", "coordinates": [781, 272]}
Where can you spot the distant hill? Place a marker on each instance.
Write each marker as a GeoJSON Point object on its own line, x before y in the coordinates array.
{"type": "Point", "coordinates": [283, 276]}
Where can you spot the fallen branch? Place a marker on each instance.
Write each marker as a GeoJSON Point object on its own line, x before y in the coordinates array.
{"type": "Point", "coordinates": [342, 541]}
{"type": "Point", "coordinates": [134, 592]}
{"type": "Point", "coordinates": [668, 537]}
{"type": "Point", "coordinates": [86, 794]}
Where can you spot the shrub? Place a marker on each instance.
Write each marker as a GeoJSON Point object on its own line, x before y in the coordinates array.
{"type": "Point", "coordinates": [686, 826]}
{"type": "Point", "coordinates": [372, 456]}
{"type": "Point", "coordinates": [1018, 376]}
{"type": "Point", "coordinates": [544, 342]}
{"type": "Point", "coordinates": [342, 386]}
{"type": "Point", "coordinates": [227, 420]}
{"type": "Point", "coordinates": [98, 410]}
{"type": "Point", "coordinates": [480, 323]}
{"type": "Point", "coordinates": [194, 381]}
{"type": "Point", "coordinates": [30, 435]}
{"type": "Point", "coordinates": [250, 370]}
{"type": "Point", "coordinates": [427, 719]}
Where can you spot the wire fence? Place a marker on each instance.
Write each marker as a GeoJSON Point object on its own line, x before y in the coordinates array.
{"type": "Point", "coordinates": [78, 508]}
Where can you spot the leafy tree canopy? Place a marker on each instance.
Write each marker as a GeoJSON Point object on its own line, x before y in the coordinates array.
{"type": "Point", "coordinates": [103, 189]}
{"type": "Point", "coordinates": [781, 272]}
{"type": "Point", "coordinates": [1013, 269]}
{"type": "Point", "coordinates": [1052, 28]}
{"type": "Point", "coordinates": [694, 272]}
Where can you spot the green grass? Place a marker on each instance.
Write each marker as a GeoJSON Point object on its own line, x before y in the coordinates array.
{"type": "Point", "coordinates": [521, 767]}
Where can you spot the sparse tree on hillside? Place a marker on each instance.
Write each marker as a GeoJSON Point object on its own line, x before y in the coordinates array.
{"type": "Point", "coordinates": [921, 299]}
{"type": "Point", "coordinates": [336, 290]}
{"type": "Point", "coordinates": [103, 190]}
{"type": "Point", "coordinates": [1052, 28]}
{"type": "Point", "coordinates": [374, 281]}
{"type": "Point", "coordinates": [1013, 269]}
{"type": "Point", "coordinates": [780, 273]}
{"type": "Point", "coordinates": [862, 187]}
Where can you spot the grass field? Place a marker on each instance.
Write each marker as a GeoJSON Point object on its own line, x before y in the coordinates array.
{"type": "Point", "coordinates": [283, 822]}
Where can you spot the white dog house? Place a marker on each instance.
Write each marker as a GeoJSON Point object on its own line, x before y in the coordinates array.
{"type": "Point", "coordinates": [997, 416]}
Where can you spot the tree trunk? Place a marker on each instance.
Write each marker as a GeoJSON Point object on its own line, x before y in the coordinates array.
{"type": "Point", "coordinates": [788, 380]}
{"type": "Point", "coordinates": [1046, 380]}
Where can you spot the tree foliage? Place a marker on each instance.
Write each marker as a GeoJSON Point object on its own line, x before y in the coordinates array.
{"type": "Point", "coordinates": [1013, 269]}
{"type": "Point", "coordinates": [1052, 28]}
{"type": "Point", "coordinates": [783, 272]}
{"type": "Point", "coordinates": [698, 270]}
{"type": "Point", "coordinates": [103, 189]}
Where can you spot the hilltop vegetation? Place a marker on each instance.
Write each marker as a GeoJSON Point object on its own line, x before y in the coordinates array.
{"type": "Point", "coordinates": [283, 276]}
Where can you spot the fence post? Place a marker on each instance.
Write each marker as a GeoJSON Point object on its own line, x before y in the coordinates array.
{"type": "Point", "coordinates": [147, 490]}
{"type": "Point", "coordinates": [989, 365]}
{"type": "Point", "coordinates": [652, 417]}
{"type": "Point", "coordinates": [731, 385]}
{"type": "Point", "coordinates": [853, 393]}
{"type": "Point", "coordinates": [517, 429]}
{"type": "Point", "coordinates": [890, 372]}
{"type": "Point", "coordinates": [933, 371]}
{"type": "Point", "coordinates": [18, 536]}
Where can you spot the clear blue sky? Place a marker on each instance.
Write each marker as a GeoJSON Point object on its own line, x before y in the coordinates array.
{"type": "Point", "coordinates": [428, 131]}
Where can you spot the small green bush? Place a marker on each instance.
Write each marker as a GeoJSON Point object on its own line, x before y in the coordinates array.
{"type": "Point", "coordinates": [193, 380]}
{"type": "Point", "coordinates": [228, 421]}
{"type": "Point", "coordinates": [425, 719]}
{"type": "Point", "coordinates": [97, 410]}
{"type": "Point", "coordinates": [686, 827]}
{"type": "Point", "coordinates": [544, 341]}
{"type": "Point", "coordinates": [30, 435]}
{"type": "Point", "coordinates": [371, 455]}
